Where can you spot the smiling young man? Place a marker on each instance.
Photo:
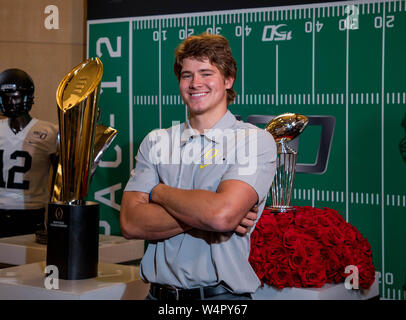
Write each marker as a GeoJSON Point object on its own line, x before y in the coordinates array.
{"type": "Point", "coordinates": [198, 188]}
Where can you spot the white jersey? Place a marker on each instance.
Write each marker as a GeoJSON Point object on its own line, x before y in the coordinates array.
{"type": "Point", "coordinates": [25, 163]}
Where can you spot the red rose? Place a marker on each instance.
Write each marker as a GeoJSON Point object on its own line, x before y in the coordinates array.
{"type": "Point", "coordinates": [296, 280]}
{"type": "Point", "coordinates": [337, 235]}
{"type": "Point", "coordinates": [314, 277]}
{"type": "Point", "coordinates": [290, 237]}
{"type": "Point", "coordinates": [323, 220]}
{"type": "Point", "coordinates": [268, 224]}
{"type": "Point", "coordinates": [325, 238]}
{"type": "Point", "coordinates": [284, 220]}
{"type": "Point", "coordinates": [314, 232]}
{"type": "Point", "coordinates": [260, 271]}
{"type": "Point", "coordinates": [303, 220]}
{"type": "Point", "coordinates": [297, 260]}
{"type": "Point", "coordinates": [312, 249]}
{"type": "Point", "coordinates": [277, 252]}
{"type": "Point", "coordinates": [365, 247]}
{"type": "Point", "coordinates": [282, 277]}
{"type": "Point", "coordinates": [349, 234]}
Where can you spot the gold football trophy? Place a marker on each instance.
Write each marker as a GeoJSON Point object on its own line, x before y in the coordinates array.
{"type": "Point", "coordinates": [73, 223]}
{"type": "Point", "coordinates": [284, 128]}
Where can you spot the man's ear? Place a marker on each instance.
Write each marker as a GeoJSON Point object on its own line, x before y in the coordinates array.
{"type": "Point", "coordinates": [228, 82]}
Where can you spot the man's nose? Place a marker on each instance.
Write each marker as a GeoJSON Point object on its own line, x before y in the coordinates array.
{"type": "Point", "coordinates": [196, 81]}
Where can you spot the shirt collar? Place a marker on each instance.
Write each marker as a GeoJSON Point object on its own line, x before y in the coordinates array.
{"type": "Point", "coordinates": [213, 134]}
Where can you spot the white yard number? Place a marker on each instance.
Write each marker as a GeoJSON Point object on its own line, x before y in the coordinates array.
{"type": "Point", "coordinates": [378, 22]}
{"type": "Point", "coordinates": [214, 30]}
{"type": "Point", "coordinates": [156, 35]}
{"type": "Point", "coordinates": [239, 31]}
{"type": "Point", "coordinates": [183, 34]}
{"type": "Point", "coordinates": [388, 279]}
{"type": "Point", "coordinates": [309, 26]}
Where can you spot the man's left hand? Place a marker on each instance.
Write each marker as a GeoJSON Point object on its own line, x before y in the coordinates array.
{"type": "Point", "coordinates": [247, 222]}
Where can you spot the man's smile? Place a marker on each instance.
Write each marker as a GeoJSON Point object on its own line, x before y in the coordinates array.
{"type": "Point", "coordinates": [200, 94]}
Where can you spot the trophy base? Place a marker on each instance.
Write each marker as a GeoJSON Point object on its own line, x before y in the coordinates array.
{"type": "Point", "coordinates": [73, 240]}
{"type": "Point", "coordinates": [282, 209]}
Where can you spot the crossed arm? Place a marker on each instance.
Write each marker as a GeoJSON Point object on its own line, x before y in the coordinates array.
{"type": "Point", "coordinates": [173, 211]}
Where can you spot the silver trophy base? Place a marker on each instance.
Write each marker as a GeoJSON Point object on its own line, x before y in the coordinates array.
{"type": "Point", "coordinates": [283, 209]}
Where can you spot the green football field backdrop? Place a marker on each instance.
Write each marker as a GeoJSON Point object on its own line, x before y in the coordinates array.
{"type": "Point", "coordinates": [343, 59]}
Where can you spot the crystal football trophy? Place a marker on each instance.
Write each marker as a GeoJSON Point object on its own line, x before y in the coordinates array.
{"type": "Point", "coordinates": [73, 223]}
{"type": "Point", "coordinates": [284, 128]}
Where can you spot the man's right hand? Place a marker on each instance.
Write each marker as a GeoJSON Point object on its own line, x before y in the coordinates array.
{"type": "Point", "coordinates": [247, 222]}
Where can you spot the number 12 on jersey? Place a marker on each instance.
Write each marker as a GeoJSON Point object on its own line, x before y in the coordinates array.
{"type": "Point", "coordinates": [11, 184]}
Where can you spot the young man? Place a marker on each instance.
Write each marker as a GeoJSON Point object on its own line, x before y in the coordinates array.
{"type": "Point", "coordinates": [27, 147]}
{"type": "Point", "coordinates": [199, 187]}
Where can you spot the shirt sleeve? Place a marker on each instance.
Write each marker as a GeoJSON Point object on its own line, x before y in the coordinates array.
{"type": "Point", "coordinates": [145, 176]}
{"type": "Point", "coordinates": [257, 164]}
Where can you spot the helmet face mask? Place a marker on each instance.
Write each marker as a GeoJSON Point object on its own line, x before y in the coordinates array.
{"type": "Point", "coordinates": [16, 93]}
{"type": "Point", "coordinates": [12, 104]}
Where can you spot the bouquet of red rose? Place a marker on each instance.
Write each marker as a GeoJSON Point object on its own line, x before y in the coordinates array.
{"type": "Point", "coordinates": [308, 248]}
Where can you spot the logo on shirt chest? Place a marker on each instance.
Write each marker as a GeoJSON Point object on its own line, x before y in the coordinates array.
{"type": "Point", "coordinates": [208, 157]}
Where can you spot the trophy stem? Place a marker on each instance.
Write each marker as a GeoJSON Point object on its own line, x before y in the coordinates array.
{"type": "Point", "coordinates": [282, 186]}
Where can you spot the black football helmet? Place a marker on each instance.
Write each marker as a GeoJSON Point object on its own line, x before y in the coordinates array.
{"type": "Point", "coordinates": [16, 93]}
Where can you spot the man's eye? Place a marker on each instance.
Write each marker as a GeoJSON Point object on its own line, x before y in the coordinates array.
{"type": "Point", "coordinates": [186, 76]}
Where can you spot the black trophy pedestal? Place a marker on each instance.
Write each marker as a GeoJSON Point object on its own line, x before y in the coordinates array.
{"type": "Point", "coordinates": [73, 240]}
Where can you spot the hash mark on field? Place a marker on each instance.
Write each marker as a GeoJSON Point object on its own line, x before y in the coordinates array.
{"type": "Point", "coordinates": [364, 198]}
{"type": "Point", "coordinates": [290, 99]}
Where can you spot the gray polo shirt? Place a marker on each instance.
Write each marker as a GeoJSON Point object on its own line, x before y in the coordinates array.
{"type": "Point", "coordinates": [182, 158]}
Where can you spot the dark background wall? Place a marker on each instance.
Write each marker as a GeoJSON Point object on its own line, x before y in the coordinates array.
{"type": "Point", "coordinates": [128, 8]}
